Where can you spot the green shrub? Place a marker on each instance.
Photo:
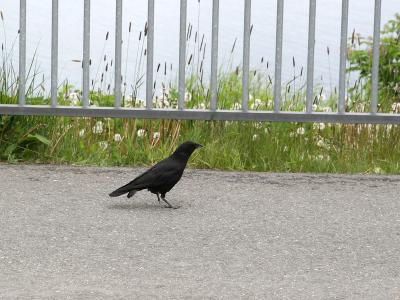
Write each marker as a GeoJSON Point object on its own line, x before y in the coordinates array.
{"type": "Point", "coordinates": [360, 58]}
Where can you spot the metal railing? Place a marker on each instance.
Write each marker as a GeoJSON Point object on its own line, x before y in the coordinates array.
{"type": "Point", "coordinates": [213, 113]}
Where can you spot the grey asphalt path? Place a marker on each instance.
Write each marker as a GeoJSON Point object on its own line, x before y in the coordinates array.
{"type": "Point", "coordinates": [236, 236]}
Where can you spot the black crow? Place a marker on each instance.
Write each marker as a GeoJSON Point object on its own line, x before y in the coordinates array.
{"type": "Point", "coordinates": [162, 177]}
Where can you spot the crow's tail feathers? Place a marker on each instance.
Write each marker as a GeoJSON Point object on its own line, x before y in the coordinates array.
{"type": "Point", "coordinates": [123, 190]}
{"type": "Point", "coordinates": [117, 193]}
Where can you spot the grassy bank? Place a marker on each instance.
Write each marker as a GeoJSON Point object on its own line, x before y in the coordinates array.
{"type": "Point", "coordinates": [278, 147]}
{"type": "Point", "coordinates": [256, 146]}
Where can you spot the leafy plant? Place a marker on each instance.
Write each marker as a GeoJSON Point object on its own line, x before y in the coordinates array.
{"type": "Point", "coordinates": [360, 58]}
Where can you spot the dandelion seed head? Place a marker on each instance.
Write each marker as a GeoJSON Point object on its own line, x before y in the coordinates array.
{"type": "Point", "coordinates": [188, 97]}
{"type": "Point", "coordinates": [117, 137]}
{"type": "Point", "coordinates": [300, 131]}
{"type": "Point", "coordinates": [98, 128]}
{"type": "Point", "coordinates": [156, 135]}
{"type": "Point", "coordinates": [103, 145]}
{"type": "Point", "coordinates": [141, 133]}
{"type": "Point", "coordinates": [319, 126]}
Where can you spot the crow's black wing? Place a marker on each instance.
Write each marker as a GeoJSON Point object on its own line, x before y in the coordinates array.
{"type": "Point", "coordinates": [163, 173]}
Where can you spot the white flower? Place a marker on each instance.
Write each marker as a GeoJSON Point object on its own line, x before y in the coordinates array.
{"type": "Point", "coordinates": [322, 97]}
{"type": "Point", "coordinates": [164, 103]}
{"type": "Point", "coordinates": [128, 101]}
{"type": "Point", "coordinates": [140, 102]}
{"type": "Point", "coordinates": [202, 105]}
{"type": "Point", "coordinates": [227, 123]}
{"type": "Point", "coordinates": [188, 97]}
{"type": "Point", "coordinates": [378, 170]}
{"type": "Point", "coordinates": [165, 93]}
{"type": "Point", "coordinates": [360, 107]}
{"type": "Point", "coordinates": [320, 143]}
{"type": "Point", "coordinates": [117, 137]}
{"type": "Point", "coordinates": [74, 98]}
{"type": "Point", "coordinates": [319, 126]}
{"type": "Point", "coordinates": [81, 132]}
{"type": "Point", "coordinates": [156, 135]}
{"type": "Point", "coordinates": [98, 128]}
{"type": "Point", "coordinates": [396, 107]}
{"type": "Point", "coordinates": [258, 125]}
{"type": "Point", "coordinates": [292, 134]}
{"type": "Point", "coordinates": [257, 103]}
{"type": "Point", "coordinates": [255, 137]}
{"type": "Point", "coordinates": [326, 109]}
{"type": "Point", "coordinates": [397, 88]}
{"type": "Point", "coordinates": [301, 131]}
{"type": "Point", "coordinates": [237, 106]}
{"type": "Point", "coordinates": [141, 133]}
{"type": "Point", "coordinates": [68, 127]}
{"type": "Point", "coordinates": [103, 145]}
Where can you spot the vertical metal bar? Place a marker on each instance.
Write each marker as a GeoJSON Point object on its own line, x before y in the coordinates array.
{"type": "Point", "coordinates": [343, 56]}
{"type": "Point", "coordinates": [375, 56]}
{"type": "Point", "coordinates": [54, 53]}
{"type": "Point", "coordinates": [214, 55]}
{"type": "Point", "coordinates": [182, 54]}
{"type": "Point", "coordinates": [118, 54]}
{"type": "Point", "coordinates": [246, 55]}
{"type": "Point", "coordinates": [86, 53]}
{"type": "Point", "coordinates": [310, 59]}
{"type": "Point", "coordinates": [150, 54]}
{"type": "Point", "coordinates": [278, 56]}
{"type": "Point", "coordinates": [22, 52]}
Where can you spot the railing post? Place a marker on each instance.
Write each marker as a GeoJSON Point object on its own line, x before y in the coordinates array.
{"type": "Point", "coordinates": [54, 53]}
{"type": "Point", "coordinates": [182, 54]}
{"type": "Point", "coordinates": [310, 59]}
{"type": "Point", "coordinates": [246, 55]}
{"type": "Point", "coordinates": [375, 57]}
{"type": "Point", "coordinates": [278, 56]}
{"type": "Point", "coordinates": [150, 54]}
{"type": "Point", "coordinates": [22, 53]}
{"type": "Point", "coordinates": [118, 54]}
{"type": "Point", "coordinates": [86, 53]}
{"type": "Point", "coordinates": [343, 56]}
{"type": "Point", "coordinates": [214, 55]}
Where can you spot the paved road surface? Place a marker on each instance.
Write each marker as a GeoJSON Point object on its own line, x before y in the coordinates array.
{"type": "Point", "coordinates": [236, 235]}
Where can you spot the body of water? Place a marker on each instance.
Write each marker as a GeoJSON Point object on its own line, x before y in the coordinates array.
{"type": "Point", "coordinates": [167, 34]}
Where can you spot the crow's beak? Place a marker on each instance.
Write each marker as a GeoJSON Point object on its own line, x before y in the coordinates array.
{"type": "Point", "coordinates": [199, 146]}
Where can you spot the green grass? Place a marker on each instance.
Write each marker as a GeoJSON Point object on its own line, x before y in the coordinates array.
{"type": "Point", "coordinates": [277, 147]}
{"type": "Point", "coordinates": [255, 146]}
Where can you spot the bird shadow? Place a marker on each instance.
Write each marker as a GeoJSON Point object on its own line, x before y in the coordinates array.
{"type": "Point", "coordinates": [139, 206]}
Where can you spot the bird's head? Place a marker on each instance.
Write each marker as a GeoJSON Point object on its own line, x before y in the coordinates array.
{"type": "Point", "coordinates": [187, 148]}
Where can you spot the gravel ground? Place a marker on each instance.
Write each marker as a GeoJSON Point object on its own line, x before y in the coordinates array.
{"type": "Point", "coordinates": [235, 235]}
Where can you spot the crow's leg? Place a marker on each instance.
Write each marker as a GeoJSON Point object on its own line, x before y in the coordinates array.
{"type": "Point", "coordinates": [165, 200]}
{"type": "Point", "coordinates": [158, 197]}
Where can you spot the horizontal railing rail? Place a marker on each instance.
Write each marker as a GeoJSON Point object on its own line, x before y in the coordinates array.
{"type": "Point", "coordinates": [341, 116]}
